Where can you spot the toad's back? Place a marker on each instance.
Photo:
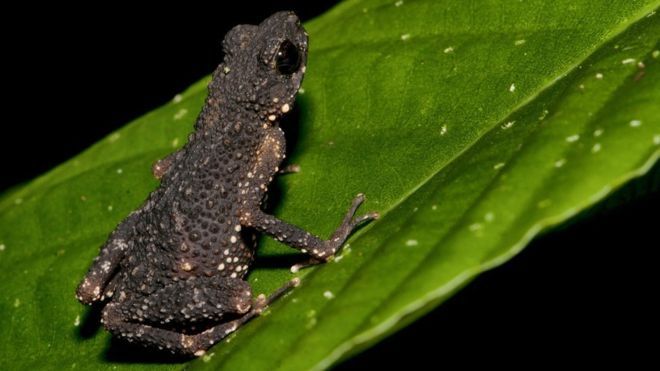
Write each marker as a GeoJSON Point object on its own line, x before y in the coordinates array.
{"type": "Point", "coordinates": [190, 224]}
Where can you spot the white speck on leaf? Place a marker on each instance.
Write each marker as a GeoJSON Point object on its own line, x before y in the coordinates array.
{"type": "Point", "coordinates": [656, 139]}
{"type": "Point", "coordinates": [656, 54]}
{"type": "Point", "coordinates": [476, 226]}
{"type": "Point", "coordinates": [628, 61]}
{"type": "Point", "coordinates": [2, 247]}
{"type": "Point", "coordinates": [412, 243]}
{"type": "Point", "coordinates": [499, 165]}
{"type": "Point", "coordinates": [599, 76]}
{"type": "Point", "coordinates": [398, 3]}
{"type": "Point", "coordinates": [443, 130]}
{"type": "Point", "coordinates": [175, 142]}
{"type": "Point", "coordinates": [434, 207]}
{"type": "Point", "coordinates": [328, 295]}
{"type": "Point", "coordinates": [635, 123]}
{"type": "Point", "coordinates": [110, 207]}
{"type": "Point", "coordinates": [18, 201]}
{"type": "Point", "coordinates": [560, 163]}
{"type": "Point", "coordinates": [405, 36]}
{"type": "Point", "coordinates": [449, 49]}
{"type": "Point", "coordinates": [179, 115]}
{"type": "Point", "coordinates": [77, 321]}
{"type": "Point", "coordinates": [17, 302]}
{"type": "Point", "coordinates": [573, 138]}
{"type": "Point", "coordinates": [598, 132]}
{"type": "Point", "coordinates": [207, 357]}
{"type": "Point", "coordinates": [596, 148]}
{"type": "Point", "coordinates": [489, 217]}
{"type": "Point", "coordinates": [114, 137]}
{"type": "Point", "coordinates": [519, 42]}
{"type": "Point", "coordinates": [177, 98]}
{"type": "Point", "coordinates": [508, 125]}
{"type": "Point", "coordinates": [512, 88]}
{"type": "Point", "coordinates": [120, 170]}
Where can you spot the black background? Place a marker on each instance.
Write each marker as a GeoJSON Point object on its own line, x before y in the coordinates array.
{"type": "Point", "coordinates": [583, 294]}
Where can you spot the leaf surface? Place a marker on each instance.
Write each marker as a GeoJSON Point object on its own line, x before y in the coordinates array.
{"type": "Point", "coordinates": [470, 126]}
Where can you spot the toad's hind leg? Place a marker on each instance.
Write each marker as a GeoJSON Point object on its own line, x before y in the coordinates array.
{"type": "Point", "coordinates": [103, 268]}
{"type": "Point", "coordinates": [123, 320]}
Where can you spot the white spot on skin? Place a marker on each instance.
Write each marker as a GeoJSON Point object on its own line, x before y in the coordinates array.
{"type": "Point", "coordinates": [599, 76]}
{"type": "Point", "coordinates": [449, 49]}
{"type": "Point", "coordinates": [405, 36]}
{"type": "Point", "coordinates": [226, 70]}
{"type": "Point", "coordinates": [572, 138]}
{"type": "Point", "coordinates": [120, 170]}
{"type": "Point", "coordinates": [285, 108]}
{"type": "Point", "coordinates": [328, 295]}
{"type": "Point", "coordinates": [232, 239]}
{"type": "Point", "coordinates": [560, 163]}
{"type": "Point", "coordinates": [512, 88]}
{"type": "Point", "coordinates": [237, 228]}
{"type": "Point", "coordinates": [77, 321]}
{"type": "Point", "coordinates": [635, 123]}
{"type": "Point", "coordinates": [179, 115]}
{"type": "Point", "coordinates": [628, 61]}
{"type": "Point", "coordinates": [177, 98]}
{"type": "Point", "coordinates": [519, 42]}
{"type": "Point", "coordinates": [272, 117]}
{"type": "Point", "coordinates": [412, 243]}
{"type": "Point", "coordinates": [443, 130]}
{"type": "Point", "coordinates": [221, 266]}
{"type": "Point", "coordinates": [508, 125]}
{"type": "Point", "coordinates": [499, 165]}
{"type": "Point", "coordinates": [596, 148]}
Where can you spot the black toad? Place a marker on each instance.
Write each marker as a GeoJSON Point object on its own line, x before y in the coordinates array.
{"type": "Point", "coordinates": [172, 271]}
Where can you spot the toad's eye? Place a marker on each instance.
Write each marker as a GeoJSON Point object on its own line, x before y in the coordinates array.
{"type": "Point", "coordinates": [287, 59]}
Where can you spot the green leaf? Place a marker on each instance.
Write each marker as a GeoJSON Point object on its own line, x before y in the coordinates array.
{"type": "Point", "coordinates": [471, 127]}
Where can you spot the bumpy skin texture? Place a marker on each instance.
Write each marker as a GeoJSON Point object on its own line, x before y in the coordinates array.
{"type": "Point", "coordinates": [172, 273]}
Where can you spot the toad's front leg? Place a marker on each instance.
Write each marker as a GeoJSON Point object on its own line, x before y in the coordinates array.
{"type": "Point", "coordinates": [271, 153]}
{"type": "Point", "coordinates": [320, 250]}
